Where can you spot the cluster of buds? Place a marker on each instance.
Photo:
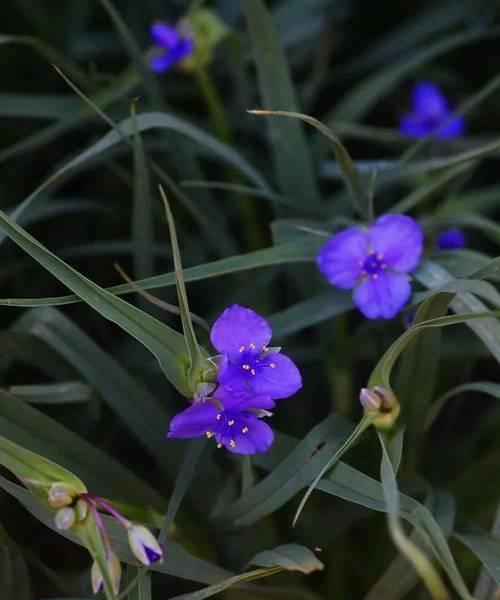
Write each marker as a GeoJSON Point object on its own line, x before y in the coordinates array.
{"type": "Point", "coordinates": [381, 404]}
{"type": "Point", "coordinates": [73, 508]}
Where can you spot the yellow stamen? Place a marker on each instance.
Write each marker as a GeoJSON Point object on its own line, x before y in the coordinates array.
{"type": "Point", "coordinates": [272, 365]}
{"type": "Point", "coordinates": [209, 434]}
{"type": "Point", "coordinates": [219, 446]}
{"type": "Point", "coordinates": [218, 417]}
{"type": "Point", "coordinates": [265, 348]}
{"type": "Point", "coordinates": [252, 371]}
{"type": "Point", "coordinates": [231, 422]}
{"type": "Point", "coordinates": [241, 348]}
{"type": "Point", "coordinates": [232, 443]}
{"type": "Point", "coordinates": [252, 346]}
{"type": "Point", "coordinates": [244, 430]}
{"type": "Point", "coordinates": [245, 367]}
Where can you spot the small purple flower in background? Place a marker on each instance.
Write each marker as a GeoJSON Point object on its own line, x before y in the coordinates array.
{"type": "Point", "coordinates": [247, 362]}
{"type": "Point", "coordinates": [251, 376]}
{"type": "Point", "coordinates": [375, 262]}
{"type": "Point", "coordinates": [450, 239]}
{"type": "Point", "coordinates": [430, 109]}
{"type": "Point", "coordinates": [171, 47]}
{"type": "Point", "coordinates": [232, 418]}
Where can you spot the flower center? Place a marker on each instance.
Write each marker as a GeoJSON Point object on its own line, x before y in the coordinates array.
{"type": "Point", "coordinates": [251, 359]}
{"type": "Point", "coordinates": [373, 265]}
{"type": "Point", "coordinates": [228, 425]}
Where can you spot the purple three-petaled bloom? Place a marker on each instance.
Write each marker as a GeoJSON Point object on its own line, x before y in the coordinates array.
{"type": "Point", "coordinates": [430, 110]}
{"type": "Point", "coordinates": [375, 262]}
{"type": "Point", "coordinates": [231, 418]}
{"type": "Point", "coordinates": [171, 47]}
{"type": "Point", "coordinates": [450, 239]}
{"type": "Point", "coordinates": [247, 362]}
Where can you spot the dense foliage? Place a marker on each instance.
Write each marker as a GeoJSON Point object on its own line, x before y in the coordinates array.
{"type": "Point", "coordinates": [249, 304]}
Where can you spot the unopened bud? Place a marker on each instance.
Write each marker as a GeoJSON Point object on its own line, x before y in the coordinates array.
{"type": "Point", "coordinates": [381, 403]}
{"type": "Point", "coordinates": [370, 400]}
{"type": "Point", "coordinates": [82, 510]}
{"type": "Point", "coordinates": [144, 545]}
{"type": "Point", "coordinates": [61, 494]}
{"type": "Point", "coordinates": [114, 570]}
{"type": "Point", "coordinates": [65, 518]}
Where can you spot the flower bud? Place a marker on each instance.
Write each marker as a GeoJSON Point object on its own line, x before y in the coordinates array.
{"type": "Point", "coordinates": [61, 494]}
{"type": "Point", "coordinates": [144, 545]}
{"type": "Point", "coordinates": [114, 570]}
{"type": "Point", "coordinates": [370, 400]}
{"type": "Point", "coordinates": [81, 509]}
{"type": "Point", "coordinates": [65, 518]}
{"type": "Point", "coordinates": [382, 404]}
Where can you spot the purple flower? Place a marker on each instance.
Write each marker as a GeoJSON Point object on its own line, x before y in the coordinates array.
{"type": "Point", "coordinates": [430, 110]}
{"type": "Point", "coordinates": [450, 239]}
{"type": "Point", "coordinates": [171, 47]}
{"type": "Point", "coordinates": [232, 418]}
{"type": "Point", "coordinates": [375, 262]}
{"type": "Point", "coordinates": [247, 362]}
{"type": "Point", "coordinates": [144, 545]}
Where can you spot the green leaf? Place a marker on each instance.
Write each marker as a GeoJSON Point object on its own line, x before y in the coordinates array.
{"type": "Point", "coordinates": [350, 173]}
{"type": "Point", "coordinates": [296, 252]}
{"type": "Point", "coordinates": [64, 392]}
{"type": "Point", "coordinates": [289, 557]}
{"type": "Point", "coordinates": [406, 546]}
{"type": "Point", "coordinates": [177, 561]}
{"type": "Point", "coordinates": [485, 547]}
{"type": "Point", "coordinates": [166, 344]}
{"type": "Point", "coordinates": [197, 358]}
{"type": "Point", "coordinates": [133, 404]}
{"type": "Point", "coordinates": [35, 471]}
{"type": "Point", "coordinates": [103, 474]}
{"type": "Point", "coordinates": [292, 158]}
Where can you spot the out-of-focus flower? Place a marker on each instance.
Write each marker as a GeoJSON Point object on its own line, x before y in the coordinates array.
{"type": "Point", "coordinates": [144, 545]}
{"type": "Point", "coordinates": [171, 46]}
{"type": "Point", "coordinates": [65, 518]}
{"type": "Point", "coordinates": [231, 418]}
{"type": "Point", "coordinates": [247, 362]}
{"type": "Point", "coordinates": [375, 262]}
{"type": "Point", "coordinates": [450, 239]}
{"type": "Point", "coordinates": [430, 110]}
{"type": "Point", "coordinates": [114, 569]}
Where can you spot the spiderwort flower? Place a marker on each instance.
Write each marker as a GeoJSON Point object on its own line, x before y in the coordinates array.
{"type": "Point", "coordinates": [114, 569]}
{"type": "Point", "coordinates": [375, 262]}
{"type": "Point", "coordinates": [247, 362]}
{"type": "Point", "coordinates": [450, 239]}
{"type": "Point", "coordinates": [144, 545]}
{"type": "Point", "coordinates": [171, 47]}
{"type": "Point", "coordinates": [231, 417]}
{"type": "Point", "coordinates": [430, 109]}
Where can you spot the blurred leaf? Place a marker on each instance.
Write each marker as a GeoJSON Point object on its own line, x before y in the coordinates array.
{"type": "Point", "coordinates": [177, 561]}
{"type": "Point", "coordinates": [128, 399]}
{"type": "Point", "coordinates": [296, 252]}
{"type": "Point", "coordinates": [485, 547]}
{"type": "Point", "coordinates": [166, 344]}
{"type": "Point", "coordinates": [359, 101]}
{"type": "Point", "coordinates": [14, 576]}
{"type": "Point", "coordinates": [290, 557]}
{"type": "Point", "coordinates": [41, 434]}
{"type": "Point", "coordinates": [312, 311]}
{"type": "Point", "coordinates": [66, 392]}
{"type": "Point", "coordinates": [296, 471]}
{"type": "Point", "coordinates": [405, 545]}
{"type": "Point", "coordinates": [292, 160]}
{"type": "Point", "coordinates": [349, 171]}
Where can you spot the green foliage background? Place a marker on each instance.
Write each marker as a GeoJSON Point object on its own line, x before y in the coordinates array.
{"type": "Point", "coordinates": [83, 149]}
